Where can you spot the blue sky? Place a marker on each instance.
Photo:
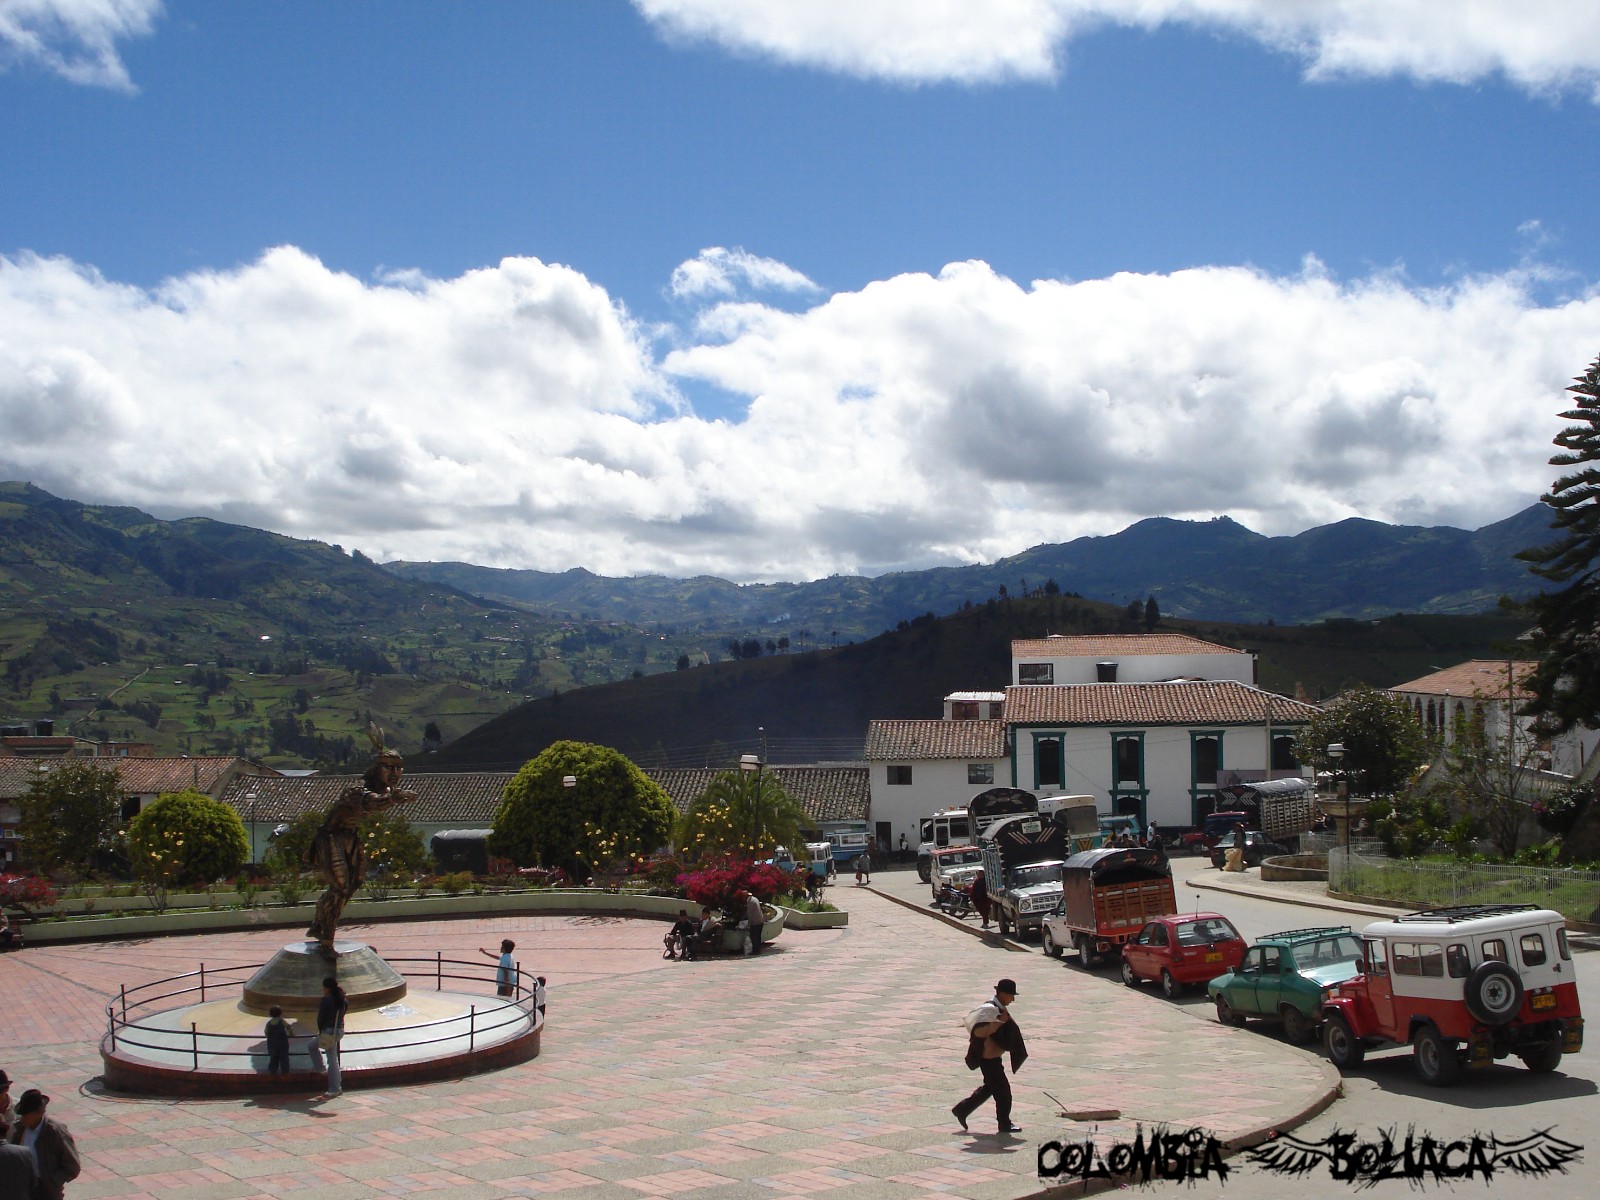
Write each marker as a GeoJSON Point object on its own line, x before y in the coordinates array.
{"type": "Point", "coordinates": [774, 290]}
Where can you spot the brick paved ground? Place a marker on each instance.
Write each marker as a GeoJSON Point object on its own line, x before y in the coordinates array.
{"type": "Point", "coordinates": [824, 1068]}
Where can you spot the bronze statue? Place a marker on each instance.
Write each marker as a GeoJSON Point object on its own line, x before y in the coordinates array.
{"type": "Point", "coordinates": [336, 851]}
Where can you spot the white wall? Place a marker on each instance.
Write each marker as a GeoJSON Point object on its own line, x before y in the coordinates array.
{"type": "Point", "coordinates": [1088, 762]}
{"type": "Point", "coordinates": [935, 784]}
{"type": "Point", "coordinates": [1146, 668]}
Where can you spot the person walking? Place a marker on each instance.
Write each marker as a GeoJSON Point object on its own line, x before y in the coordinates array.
{"type": "Point", "coordinates": [992, 1036]}
{"type": "Point", "coordinates": [331, 1010]}
{"type": "Point", "coordinates": [864, 867]}
{"type": "Point", "coordinates": [979, 894]}
{"type": "Point", "coordinates": [55, 1154]}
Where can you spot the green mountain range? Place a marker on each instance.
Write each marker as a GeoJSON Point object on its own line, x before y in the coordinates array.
{"type": "Point", "coordinates": [1202, 570]}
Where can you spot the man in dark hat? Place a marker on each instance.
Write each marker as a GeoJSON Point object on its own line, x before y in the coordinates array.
{"type": "Point", "coordinates": [55, 1154]}
{"type": "Point", "coordinates": [19, 1174]}
{"type": "Point", "coordinates": [992, 1035]}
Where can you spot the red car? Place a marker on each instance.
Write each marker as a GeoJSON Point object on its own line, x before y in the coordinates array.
{"type": "Point", "coordinates": [1182, 950]}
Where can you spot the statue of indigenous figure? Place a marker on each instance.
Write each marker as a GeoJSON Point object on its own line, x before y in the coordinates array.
{"type": "Point", "coordinates": [336, 851]}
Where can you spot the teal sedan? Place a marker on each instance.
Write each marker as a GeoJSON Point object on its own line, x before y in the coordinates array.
{"type": "Point", "coordinates": [1284, 977]}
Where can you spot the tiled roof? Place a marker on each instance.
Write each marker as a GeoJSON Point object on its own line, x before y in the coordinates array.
{"type": "Point", "coordinates": [825, 793]}
{"type": "Point", "coordinates": [139, 776]}
{"type": "Point", "coordinates": [981, 697]}
{"type": "Point", "coordinates": [1114, 645]}
{"type": "Point", "coordinates": [901, 740]}
{"type": "Point", "coordinates": [1480, 677]}
{"type": "Point", "coordinates": [1213, 702]}
{"type": "Point", "coordinates": [467, 800]}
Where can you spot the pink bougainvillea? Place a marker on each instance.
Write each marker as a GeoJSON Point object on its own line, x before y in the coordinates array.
{"type": "Point", "coordinates": [723, 882]}
{"type": "Point", "coordinates": [26, 892]}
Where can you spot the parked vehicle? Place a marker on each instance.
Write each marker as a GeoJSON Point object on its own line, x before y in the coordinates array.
{"type": "Point", "coordinates": [1022, 859]}
{"type": "Point", "coordinates": [1213, 827]}
{"type": "Point", "coordinates": [966, 826]}
{"type": "Point", "coordinates": [1182, 951]}
{"type": "Point", "coordinates": [1287, 977]}
{"type": "Point", "coordinates": [850, 839]}
{"type": "Point", "coordinates": [1463, 986]}
{"type": "Point", "coordinates": [954, 895]}
{"type": "Point", "coordinates": [1078, 819]}
{"type": "Point", "coordinates": [820, 860]}
{"type": "Point", "coordinates": [945, 828]}
{"type": "Point", "coordinates": [1256, 847]}
{"type": "Point", "coordinates": [1108, 895]}
{"type": "Point", "coordinates": [965, 860]}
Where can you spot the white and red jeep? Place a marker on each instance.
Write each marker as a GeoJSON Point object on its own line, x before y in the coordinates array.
{"type": "Point", "coordinates": [1463, 986]}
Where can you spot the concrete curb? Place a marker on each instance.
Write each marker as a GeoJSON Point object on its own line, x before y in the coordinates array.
{"type": "Point", "coordinates": [953, 922]}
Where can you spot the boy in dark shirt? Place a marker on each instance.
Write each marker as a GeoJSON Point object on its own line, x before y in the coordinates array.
{"type": "Point", "coordinates": [277, 1032]}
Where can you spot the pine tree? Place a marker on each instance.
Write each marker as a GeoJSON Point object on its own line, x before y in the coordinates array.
{"type": "Point", "coordinates": [1566, 684]}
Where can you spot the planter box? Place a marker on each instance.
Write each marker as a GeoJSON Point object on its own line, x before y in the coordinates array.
{"type": "Point", "coordinates": [814, 920]}
{"type": "Point", "coordinates": [578, 900]}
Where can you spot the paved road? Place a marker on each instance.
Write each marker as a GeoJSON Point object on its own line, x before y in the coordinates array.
{"type": "Point", "coordinates": [1386, 1094]}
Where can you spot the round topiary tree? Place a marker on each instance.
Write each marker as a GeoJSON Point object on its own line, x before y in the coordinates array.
{"type": "Point", "coordinates": [542, 822]}
{"type": "Point", "coordinates": [188, 838]}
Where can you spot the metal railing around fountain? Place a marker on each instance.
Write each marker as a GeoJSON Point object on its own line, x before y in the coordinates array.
{"type": "Point", "coordinates": [128, 1015]}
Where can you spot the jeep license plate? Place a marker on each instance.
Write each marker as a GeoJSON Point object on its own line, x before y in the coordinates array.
{"type": "Point", "coordinates": [1214, 957]}
{"type": "Point", "coordinates": [1546, 1001]}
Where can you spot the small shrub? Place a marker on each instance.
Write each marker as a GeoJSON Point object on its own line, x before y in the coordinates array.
{"type": "Point", "coordinates": [455, 883]}
{"type": "Point", "coordinates": [248, 891]}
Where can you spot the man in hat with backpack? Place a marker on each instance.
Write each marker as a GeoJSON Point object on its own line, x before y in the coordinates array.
{"type": "Point", "coordinates": [992, 1035]}
{"type": "Point", "coordinates": [55, 1154]}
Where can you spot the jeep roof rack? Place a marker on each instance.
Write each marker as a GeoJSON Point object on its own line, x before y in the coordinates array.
{"type": "Point", "coordinates": [1466, 912]}
{"type": "Point", "coordinates": [1313, 931]}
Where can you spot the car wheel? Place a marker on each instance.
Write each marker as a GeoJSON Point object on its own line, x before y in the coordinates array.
{"type": "Point", "coordinates": [1048, 943]}
{"type": "Point", "coordinates": [1128, 977]}
{"type": "Point", "coordinates": [1344, 1048]}
{"type": "Point", "coordinates": [1435, 1057]}
{"type": "Point", "coordinates": [925, 872]}
{"type": "Point", "coordinates": [1225, 1012]}
{"type": "Point", "coordinates": [1546, 1058]}
{"type": "Point", "coordinates": [1296, 1025]}
{"type": "Point", "coordinates": [1170, 987]}
{"type": "Point", "coordinates": [1000, 922]}
{"type": "Point", "coordinates": [1493, 993]}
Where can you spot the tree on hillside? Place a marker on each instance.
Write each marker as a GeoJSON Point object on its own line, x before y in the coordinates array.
{"type": "Point", "coordinates": [70, 813]}
{"type": "Point", "coordinates": [542, 822]}
{"type": "Point", "coordinates": [740, 811]}
{"type": "Point", "coordinates": [1152, 613]}
{"type": "Point", "coordinates": [1566, 683]}
{"type": "Point", "coordinates": [1383, 741]}
{"type": "Point", "coordinates": [186, 838]}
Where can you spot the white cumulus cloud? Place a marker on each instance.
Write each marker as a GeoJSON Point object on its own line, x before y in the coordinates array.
{"type": "Point", "coordinates": [76, 39]}
{"type": "Point", "coordinates": [517, 416]}
{"type": "Point", "coordinates": [717, 271]}
{"type": "Point", "coordinates": [1537, 44]}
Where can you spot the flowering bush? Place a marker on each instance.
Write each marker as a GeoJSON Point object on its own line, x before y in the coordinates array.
{"type": "Point", "coordinates": [26, 892]}
{"type": "Point", "coordinates": [722, 882]}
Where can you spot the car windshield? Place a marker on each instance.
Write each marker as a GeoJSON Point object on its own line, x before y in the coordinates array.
{"type": "Point", "coordinates": [1327, 951]}
{"type": "Point", "coordinates": [1206, 932]}
{"type": "Point", "coordinates": [1033, 876]}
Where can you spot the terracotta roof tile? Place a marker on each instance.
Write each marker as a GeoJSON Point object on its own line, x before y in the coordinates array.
{"type": "Point", "coordinates": [467, 800]}
{"type": "Point", "coordinates": [1479, 677]}
{"type": "Point", "coordinates": [1115, 645]}
{"type": "Point", "coordinates": [1213, 702]}
{"type": "Point", "coordinates": [825, 793]}
{"type": "Point", "coordinates": [139, 776]}
{"type": "Point", "coordinates": [901, 740]}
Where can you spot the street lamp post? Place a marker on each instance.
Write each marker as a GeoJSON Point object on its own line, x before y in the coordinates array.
{"type": "Point", "coordinates": [751, 763]}
{"type": "Point", "coordinates": [1335, 754]}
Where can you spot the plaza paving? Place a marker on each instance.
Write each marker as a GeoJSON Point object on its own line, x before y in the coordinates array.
{"type": "Point", "coordinates": [826, 1067]}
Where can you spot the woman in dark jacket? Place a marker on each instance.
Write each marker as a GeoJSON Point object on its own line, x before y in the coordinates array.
{"type": "Point", "coordinates": [330, 1028]}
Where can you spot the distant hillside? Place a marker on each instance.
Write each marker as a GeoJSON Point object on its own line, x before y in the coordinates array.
{"type": "Point", "coordinates": [817, 705]}
{"type": "Point", "coordinates": [1201, 570]}
{"type": "Point", "coordinates": [204, 637]}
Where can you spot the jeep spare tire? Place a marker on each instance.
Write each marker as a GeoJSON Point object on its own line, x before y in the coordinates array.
{"type": "Point", "coordinates": [1494, 993]}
